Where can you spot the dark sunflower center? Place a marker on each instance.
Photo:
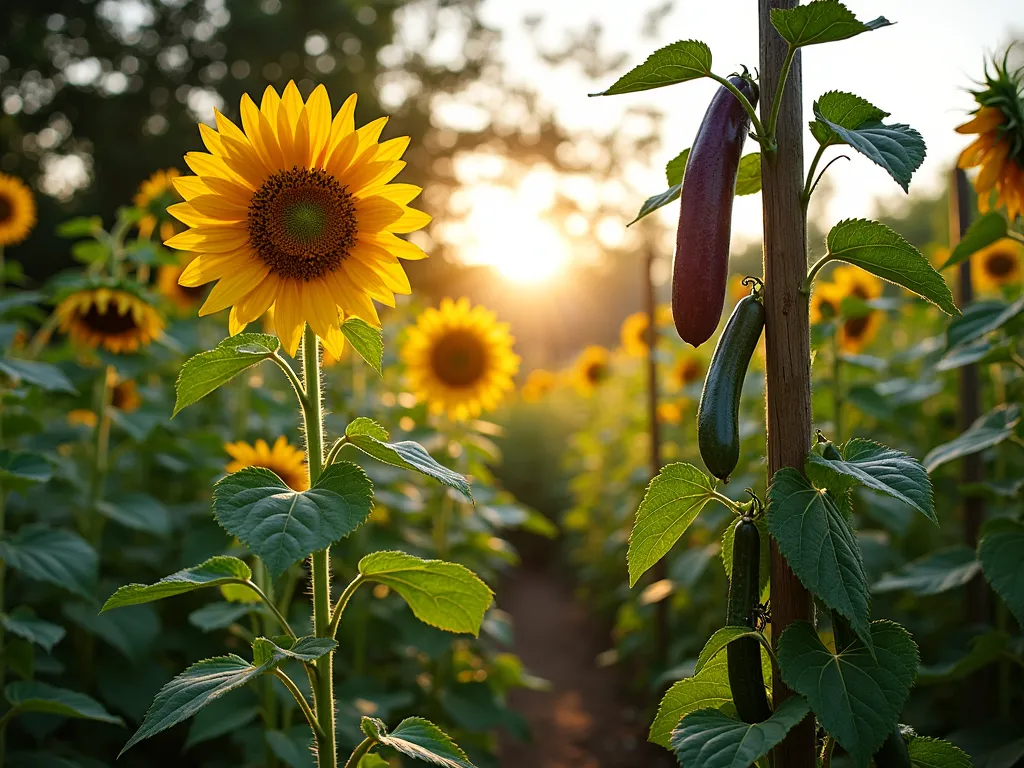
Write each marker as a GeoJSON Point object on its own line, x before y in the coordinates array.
{"type": "Point", "coordinates": [459, 359]}
{"type": "Point", "coordinates": [689, 371]}
{"type": "Point", "coordinates": [595, 372]}
{"type": "Point", "coordinates": [855, 327]}
{"type": "Point", "coordinates": [111, 322]}
{"type": "Point", "coordinates": [1000, 264]}
{"type": "Point", "coordinates": [302, 223]}
{"type": "Point", "coordinates": [5, 209]}
{"type": "Point", "coordinates": [827, 309]}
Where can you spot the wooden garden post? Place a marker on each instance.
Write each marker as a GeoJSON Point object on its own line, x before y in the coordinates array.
{"type": "Point", "coordinates": [788, 371]}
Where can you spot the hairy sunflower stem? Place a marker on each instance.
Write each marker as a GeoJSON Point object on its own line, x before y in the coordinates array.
{"type": "Point", "coordinates": [278, 616]}
{"type": "Point", "coordinates": [339, 607]}
{"type": "Point", "coordinates": [812, 273]}
{"type": "Point", "coordinates": [300, 391]}
{"type": "Point", "coordinates": [359, 752]}
{"type": "Point", "coordinates": [320, 562]}
{"type": "Point", "coordinates": [773, 117]}
{"type": "Point", "coordinates": [293, 689]}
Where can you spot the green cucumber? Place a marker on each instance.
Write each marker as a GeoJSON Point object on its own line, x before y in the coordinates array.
{"type": "Point", "coordinates": [718, 430]}
{"type": "Point", "coordinates": [746, 679]}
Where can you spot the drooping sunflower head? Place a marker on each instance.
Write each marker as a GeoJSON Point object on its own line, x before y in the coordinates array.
{"type": "Point", "coordinates": [997, 265]}
{"type": "Point", "coordinates": [538, 384]}
{"type": "Point", "coordinates": [17, 210]}
{"type": "Point", "coordinates": [686, 370]}
{"type": "Point", "coordinates": [295, 211]}
{"type": "Point", "coordinates": [635, 334]}
{"type": "Point", "coordinates": [856, 332]}
{"type": "Point", "coordinates": [124, 397]}
{"type": "Point", "coordinates": [999, 149]}
{"type": "Point", "coordinates": [116, 318]}
{"type": "Point", "coordinates": [459, 359]}
{"type": "Point", "coordinates": [592, 367]}
{"type": "Point", "coordinates": [156, 194]}
{"type": "Point", "coordinates": [825, 302]}
{"type": "Point", "coordinates": [168, 285]}
{"type": "Point", "coordinates": [853, 281]}
{"type": "Point", "coordinates": [283, 458]}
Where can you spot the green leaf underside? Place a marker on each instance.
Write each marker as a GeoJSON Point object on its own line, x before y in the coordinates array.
{"type": "Point", "coordinates": [212, 573]}
{"type": "Point", "coordinates": [844, 109]}
{"type": "Point", "coordinates": [137, 511]}
{"type": "Point", "coordinates": [207, 371]}
{"type": "Point", "coordinates": [676, 167]}
{"type": "Point", "coordinates": [448, 596]}
{"type": "Point", "coordinates": [879, 468]}
{"type": "Point", "coordinates": [21, 469]}
{"type": "Point", "coordinates": [371, 438]}
{"type": "Point", "coordinates": [36, 696]}
{"type": "Point", "coordinates": [24, 623]}
{"type": "Point", "coordinates": [821, 21]}
{"type": "Point", "coordinates": [720, 639]}
{"type": "Point", "coordinates": [978, 351]}
{"type": "Point", "coordinates": [983, 231]}
{"type": "Point", "coordinates": [33, 695]}
{"type": "Point", "coordinates": [820, 546]}
{"type": "Point", "coordinates": [1002, 559]}
{"type": "Point", "coordinates": [748, 177]}
{"type": "Point", "coordinates": [984, 650]}
{"type": "Point", "coordinates": [988, 430]}
{"type": "Point", "coordinates": [878, 249]}
{"type": "Point", "coordinates": [933, 574]}
{"type": "Point", "coordinates": [708, 738]}
{"type": "Point", "coordinates": [935, 753]}
{"type": "Point", "coordinates": [675, 63]}
{"type": "Point", "coordinates": [208, 680]}
{"type": "Point", "coordinates": [266, 651]}
{"type": "Point", "coordinates": [857, 698]}
{"type": "Point", "coordinates": [896, 148]}
{"type": "Point", "coordinates": [651, 204]}
{"type": "Point", "coordinates": [672, 502]}
{"type": "Point", "coordinates": [283, 526]}
{"type": "Point", "coordinates": [366, 340]}
{"type": "Point", "coordinates": [53, 556]}
{"type": "Point", "coordinates": [42, 375]}
{"type": "Point", "coordinates": [982, 318]}
{"type": "Point", "coordinates": [422, 740]}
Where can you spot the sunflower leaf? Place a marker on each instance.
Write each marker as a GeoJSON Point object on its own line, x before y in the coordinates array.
{"type": "Point", "coordinates": [419, 739]}
{"type": "Point", "coordinates": [366, 340]}
{"type": "Point", "coordinates": [205, 372]}
{"type": "Point", "coordinates": [212, 573]}
{"type": "Point", "coordinates": [371, 438]}
{"type": "Point", "coordinates": [821, 21]}
{"type": "Point", "coordinates": [42, 375]}
{"type": "Point", "coordinates": [675, 63]}
{"type": "Point", "coordinates": [983, 232]}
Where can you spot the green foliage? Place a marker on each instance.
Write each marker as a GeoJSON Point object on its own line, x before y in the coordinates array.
{"type": "Point", "coordinates": [213, 573]}
{"type": "Point", "coordinates": [675, 63]}
{"type": "Point", "coordinates": [371, 438]}
{"type": "Point", "coordinates": [1001, 552]}
{"type": "Point", "coordinates": [24, 623]}
{"type": "Point", "coordinates": [876, 682]}
{"type": "Point", "coordinates": [36, 696]}
{"type": "Point", "coordinates": [748, 175]}
{"type": "Point", "coordinates": [53, 556]}
{"type": "Point", "coordinates": [419, 739]}
{"type": "Point", "coordinates": [207, 371]}
{"type": "Point", "coordinates": [283, 526]}
{"type": "Point", "coordinates": [721, 639]}
{"type": "Point", "coordinates": [832, 568]}
{"type": "Point", "coordinates": [21, 469]}
{"type": "Point", "coordinates": [881, 251]}
{"type": "Point", "coordinates": [987, 430]}
{"type": "Point", "coordinates": [444, 595]}
{"type": "Point", "coordinates": [43, 375]}
{"type": "Point", "coordinates": [366, 340]}
{"type": "Point", "coordinates": [984, 231]}
{"type": "Point", "coordinates": [674, 498]}
{"type": "Point", "coordinates": [821, 21]}
{"type": "Point", "coordinates": [933, 574]}
{"type": "Point", "coordinates": [935, 753]}
{"type": "Point", "coordinates": [708, 738]}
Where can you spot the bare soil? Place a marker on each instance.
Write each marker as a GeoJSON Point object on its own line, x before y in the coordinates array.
{"type": "Point", "coordinates": [584, 721]}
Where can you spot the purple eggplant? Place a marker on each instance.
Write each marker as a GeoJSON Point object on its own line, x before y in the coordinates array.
{"type": "Point", "coordinates": [701, 264]}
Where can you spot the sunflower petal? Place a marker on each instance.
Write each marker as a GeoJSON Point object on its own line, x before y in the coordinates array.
{"type": "Point", "coordinates": [376, 214]}
{"type": "Point", "coordinates": [288, 320]}
{"type": "Point", "coordinates": [234, 286]}
{"type": "Point", "coordinates": [207, 268]}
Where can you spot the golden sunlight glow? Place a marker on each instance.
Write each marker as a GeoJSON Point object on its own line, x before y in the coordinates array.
{"type": "Point", "coordinates": [506, 229]}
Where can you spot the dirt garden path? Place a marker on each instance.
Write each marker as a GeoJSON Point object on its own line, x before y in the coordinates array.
{"type": "Point", "coordinates": [583, 721]}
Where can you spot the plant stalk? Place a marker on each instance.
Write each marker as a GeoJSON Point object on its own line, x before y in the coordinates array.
{"type": "Point", "coordinates": [359, 753]}
{"type": "Point", "coordinates": [320, 562]}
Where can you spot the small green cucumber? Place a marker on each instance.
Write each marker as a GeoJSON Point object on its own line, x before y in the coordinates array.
{"type": "Point", "coordinates": [744, 655]}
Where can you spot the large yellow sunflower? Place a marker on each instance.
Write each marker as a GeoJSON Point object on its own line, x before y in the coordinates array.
{"type": "Point", "coordinates": [592, 367]}
{"type": "Point", "coordinates": [17, 210]}
{"type": "Point", "coordinates": [997, 264]}
{"type": "Point", "coordinates": [116, 318]}
{"type": "Point", "coordinates": [294, 211]}
{"type": "Point", "coordinates": [156, 194]}
{"type": "Point", "coordinates": [999, 148]}
{"type": "Point", "coordinates": [283, 458]}
{"type": "Point", "coordinates": [635, 333]}
{"type": "Point", "coordinates": [538, 384]}
{"type": "Point", "coordinates": [459, 359]}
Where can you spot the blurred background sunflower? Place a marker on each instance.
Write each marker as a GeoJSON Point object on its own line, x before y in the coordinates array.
{"type": "Point", "coordinates": [687, 369]}
{"type": "Point", "coordinates": [282, 458]}
{"type": "Point", "coordinates": [117, 319]}
{"type": "Point", "coordinates": [459, 359]}
{"type": "Point", "coordinates": [17, 210]}
{"type": "Point", "coordinates": [634, 334]}
{"type": "Point", "coordinates": [592, 367]}
{"type": "Point", "coordinates": [295, 211]}
{"type": "Point", "coordinates": [124, 397]}
{"type": "Point", "coordinates": [168, 284]}
{"type": "Point", "coordinates": [997, 265]}
{"type": "Point", "coordinates": [538, 383]}
{"type": "Point", "coordinates": [156, 194]}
